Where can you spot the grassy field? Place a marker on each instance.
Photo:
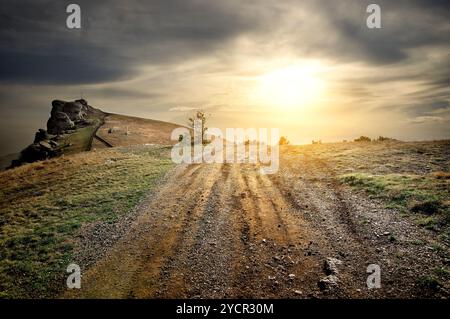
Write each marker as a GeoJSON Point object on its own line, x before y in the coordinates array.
{"type": "Point", "coordinates": [413, 178]}
{"type": "Point", "coordinates": [81, 139]}
{"type": "Point", "coordinates": [426, 196]}
{"type": "Point", "coordinates": [121, 130]}
{"type": "Point", "coordinates": [44, 204]}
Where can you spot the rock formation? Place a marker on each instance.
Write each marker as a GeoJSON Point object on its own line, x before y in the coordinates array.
{"type": "Point", "coordinates": [65, 118]}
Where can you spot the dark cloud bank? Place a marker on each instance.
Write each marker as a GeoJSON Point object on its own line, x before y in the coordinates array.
{"type": "Point", "coordinates": [119, 37]}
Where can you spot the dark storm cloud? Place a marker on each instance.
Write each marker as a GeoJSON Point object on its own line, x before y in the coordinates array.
{"type": "Point", "coordinates": [405, 25]}
{"type": "Point", "coordinates": [116, 38]}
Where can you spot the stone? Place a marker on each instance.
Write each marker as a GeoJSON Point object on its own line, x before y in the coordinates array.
{"type": "Point", "coordinates": [65, 116]}
{"type": "Point", "coordinates": [330, 266]}
{"type": "Point", "coordinates": [59, 123]}
{"type": "Point", "coordinates": [46, 145]}
{"type": "Point", "coordinates": [33, 153]}
{"type": "Point", "coordinates": [41, 135]}
{"type": "Point", "coordinates": [53, 143]}
{"type": "Point", "coordinates": [328, 282]}
{"type": "Point", "coordinates": [76, 111]}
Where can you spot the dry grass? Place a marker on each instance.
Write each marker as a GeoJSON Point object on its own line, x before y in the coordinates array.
{"type": "Point", "coordinates": [411, 177]}
{"type": "Point", "coordinates": [127, 130]}
{"type": "Point", "coordinates": [44, 204]}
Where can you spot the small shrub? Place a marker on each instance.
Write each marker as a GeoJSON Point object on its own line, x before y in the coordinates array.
{"type": "Point", "coordinates": [283, 141]}
{"type": "Point", "coordinates": [428, 283]}
{"type": "Point", "coordinates": [385, 139]}
{"type": "Point", "coordinates": [363, 139]}
{"type": "Point", "coordinates": [428, 207]}
{"type": "Point", "coordinates": [442, 272]}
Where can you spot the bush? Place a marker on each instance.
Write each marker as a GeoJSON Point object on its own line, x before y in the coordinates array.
{"type": "Point", "coordinates": [428, 283]}
{"type": "Point", "coordinates": [283, 141]}
{"type": "Point", "coordinates": [428, 207]}
{"type": "Point", "coordinates": [385, 139]}
{"type": "Point", "coordinates": [363, 139]}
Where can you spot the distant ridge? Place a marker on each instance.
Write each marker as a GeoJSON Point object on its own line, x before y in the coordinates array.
{"type": "Point", "coordinates": [76, 126]}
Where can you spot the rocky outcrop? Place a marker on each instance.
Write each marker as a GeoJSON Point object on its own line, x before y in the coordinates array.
{"type": "Point", "coordinates": [65, 118]}
{"type": "Point", "coordinates": [60, 123]}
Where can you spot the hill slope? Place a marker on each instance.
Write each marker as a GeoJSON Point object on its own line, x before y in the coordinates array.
{"type": "Point", "coordinates": [247, 231]}
{"type": "Point", "coordinates": [75, 127]}
{"type": "Point", "coordinates": [121, 130]}
{"type": "Point", "coordinates": [44, 206]}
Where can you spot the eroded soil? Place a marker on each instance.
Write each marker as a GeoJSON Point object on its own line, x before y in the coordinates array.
{"type": "Point", "coordinates": [226, 231]}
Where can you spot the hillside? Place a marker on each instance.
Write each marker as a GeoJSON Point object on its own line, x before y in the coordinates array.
{"type": "Point", "coordinates": [121, 130]}
{"type": "Point", "coordinates": [45, 205]}
{"type": "Point", "coordinates": [140, 226]}
{"type": "Point", "coordinates": [76, 126]}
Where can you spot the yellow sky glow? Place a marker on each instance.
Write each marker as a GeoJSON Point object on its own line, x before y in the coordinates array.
{"type": "Point", "coordinates": [292, 87]}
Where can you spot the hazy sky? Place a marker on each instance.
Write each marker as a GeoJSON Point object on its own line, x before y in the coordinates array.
{"type": "Point", "coordinates": [311, 68]}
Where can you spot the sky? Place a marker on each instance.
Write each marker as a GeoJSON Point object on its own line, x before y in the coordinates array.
{"type": "Point", "coordinates": [311, 68]}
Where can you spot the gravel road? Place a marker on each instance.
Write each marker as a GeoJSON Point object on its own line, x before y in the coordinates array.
{"type": "Point", "coordinates": [226, 231]}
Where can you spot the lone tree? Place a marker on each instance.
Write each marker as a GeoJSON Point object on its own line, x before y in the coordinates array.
{"type": "Point", "coordinates": [283, 141]}
{"type": "Point", "coordinates": [202, 117]}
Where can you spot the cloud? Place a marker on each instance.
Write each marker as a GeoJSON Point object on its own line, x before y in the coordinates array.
{"type": "Point", "coordinates": [165, 57]}
{"type": "Point", "coordinates": [115, 39]}
{"type": "Point", "coordinates": [182, 109]}
{"type": "Point", "coordinates": [426, 119]}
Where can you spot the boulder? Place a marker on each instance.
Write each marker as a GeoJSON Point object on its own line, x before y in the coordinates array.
{"type": "Point", "coordinates": [75, 110]}
{"type": "Point", "coordinates": [46, 145]}
{"type": "Point", "coordinates": [41, 135]}
{"type": "Point", "coordinates": [330, 266]}
{"type": "Point", "coordinates": [328, 283]}
{"type": "Point", "coordinates": [331, 281]}
{"type": "Point", "coordinates": [59, 123]}
{"type": "Point", "coordinates": [33, 153]}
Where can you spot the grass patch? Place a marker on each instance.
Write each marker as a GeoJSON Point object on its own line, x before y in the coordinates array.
{"type": "Point", "coordinates": [424, 196]}
{"type": "Point", "coordinates": [428, 284]}
{"type": "Point", "coordinates": [42, 205]}
{"type": "Point", "coordinates": [81, 139]}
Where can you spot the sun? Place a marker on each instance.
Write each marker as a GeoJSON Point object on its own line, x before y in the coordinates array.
{"type": "Point", "coordinates": [291, 87]}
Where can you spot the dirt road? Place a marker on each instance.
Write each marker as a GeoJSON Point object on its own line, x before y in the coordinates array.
{"type": "Point", "coordinates": [226, 231]}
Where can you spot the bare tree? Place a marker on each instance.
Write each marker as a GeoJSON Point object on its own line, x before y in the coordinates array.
{"type": "Point", "coordinates": [202, 117]}
{"type": "Point", "coordinates": [283, 141]}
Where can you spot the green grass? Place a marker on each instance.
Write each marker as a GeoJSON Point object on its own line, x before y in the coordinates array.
{"type": "Point", "coordinates": [80, 140]}
{"type": "Point", "coordinates": [424, 196]}
{"type": "Point", "coordinates": [44, 204]}
{"type": "Point", "coordinates": [428, 283]}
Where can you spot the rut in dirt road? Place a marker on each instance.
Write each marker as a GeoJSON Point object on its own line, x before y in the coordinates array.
{"type": "Point", "coordinates": [226, 231]}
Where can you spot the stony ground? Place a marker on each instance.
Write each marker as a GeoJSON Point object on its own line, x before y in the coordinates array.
{"type": "Point", "coordinates": [226, 231]}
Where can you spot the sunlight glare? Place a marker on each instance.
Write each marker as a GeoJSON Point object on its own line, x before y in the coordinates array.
{"type": "Point", "coordinates": [291, 87]}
